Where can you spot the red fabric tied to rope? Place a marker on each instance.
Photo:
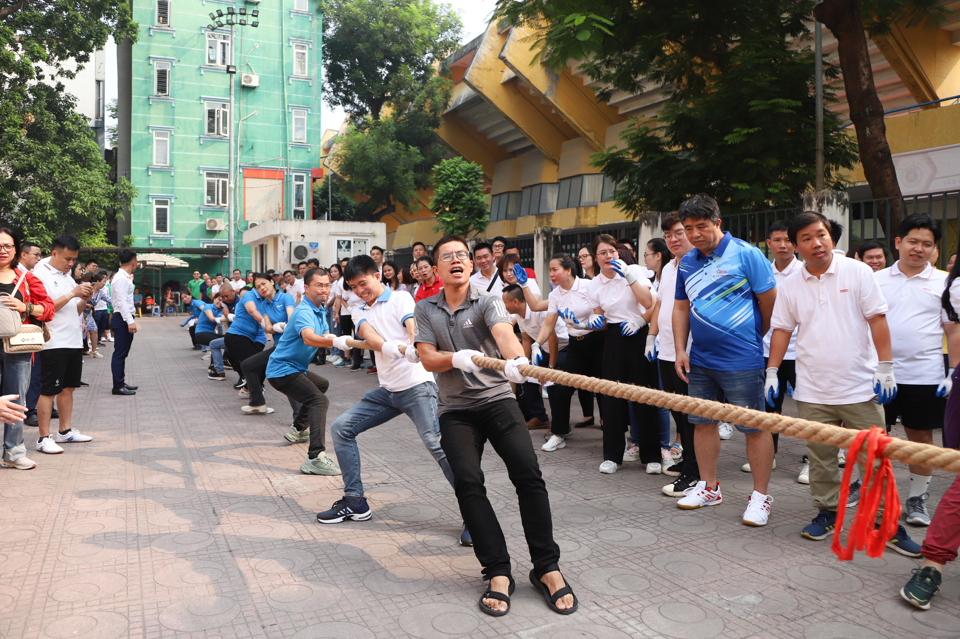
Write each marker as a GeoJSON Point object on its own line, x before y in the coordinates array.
{"type": "Point", "coordinates": [878, 486]}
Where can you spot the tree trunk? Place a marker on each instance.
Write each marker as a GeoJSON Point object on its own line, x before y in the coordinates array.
{"type": "Point", "coordinates": [844, 20]}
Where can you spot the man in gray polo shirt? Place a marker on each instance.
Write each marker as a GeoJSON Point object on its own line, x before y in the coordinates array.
{"type": "Point", "coordinates": [475, 405]}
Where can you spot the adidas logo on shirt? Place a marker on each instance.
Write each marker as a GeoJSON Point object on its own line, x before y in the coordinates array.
{"type": "Point", "coordinates": [468, 324]}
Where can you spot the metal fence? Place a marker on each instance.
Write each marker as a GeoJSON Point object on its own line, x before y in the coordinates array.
{"type": "Point", "coordinates": [871, 220]}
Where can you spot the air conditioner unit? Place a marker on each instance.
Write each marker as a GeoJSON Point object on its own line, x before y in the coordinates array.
{"type": "Point", "coordinates": [250, 80]}
{"type": "Point", "coordinates": [299, 251]}
{"type": "Point", "coordinates": [215, 224]}
{"type": "Point", "coordinates": [253, 223]}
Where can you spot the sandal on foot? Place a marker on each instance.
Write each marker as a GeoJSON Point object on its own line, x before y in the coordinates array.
{"type": "Point", "coordinates": [491, 594]}
{"type": "Point", "coordinates": [552, 599]}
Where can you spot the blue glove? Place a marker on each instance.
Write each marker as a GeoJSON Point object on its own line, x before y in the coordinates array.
{"type": "Point", "coordinates": [619, 267]}
{"type": "Point", "coordinates": [884, 384]}
{"type": "Point", "coordinates": [631, 328]}
{"type": "Point", "coordinates": [651, 348]}
{"type": "Point", "coordinates": [596, 322]}
{"type": "Point", "coordinates": [570, 319]}
{"type": "Point", "coordinates": [771, 388]}
{"type": "Point", "coordinates": [943, 390]}
{"type": "Point", "coordinates": [536, 354]}
{"type": "Point", "coordinates": [185, 323]}
{"type": "Point", "coordinates": [521, 274]}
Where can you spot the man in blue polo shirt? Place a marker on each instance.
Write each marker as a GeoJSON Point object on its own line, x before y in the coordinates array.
{"type": "Point", "coordinates": [724, 298]}
{"type": "Point", "coordinates": [306, 331]}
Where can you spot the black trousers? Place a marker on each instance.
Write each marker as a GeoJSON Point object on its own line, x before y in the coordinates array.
{"type": "Point", "coordinates": [581, 359]}
{"type": "Point", "coordinates": [624, 361]}
{"type": "Point", "coordinates": [193, 334]}
{"type": "Point", "coordinates": [254, 371]}
{"type": "Point", "coordinates": [346, 328]}
{"type": "Point", "coordinates": [122, 340]}
{"type": "Point", "coordinates": [786, 373]}
{"type": "Point", "coordinates": [309, 390]}
{"type": "Point", "coordinates": [673, 384]}
{"type": "Point", "coordinates": [462, 436]}
{"type": "Point", "coordinates": [239, 348]}
{"type": "Point", "coordinates": [205, 338]}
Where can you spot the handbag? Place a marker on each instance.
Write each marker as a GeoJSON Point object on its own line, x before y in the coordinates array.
{"type": "Point", "coordinates": [29, 338]}
{"type": "Point", "coordinates": [10, 321]}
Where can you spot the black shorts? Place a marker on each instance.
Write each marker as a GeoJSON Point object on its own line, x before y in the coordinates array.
{"type": "Point", "coordinates": [917, 406]}
{"type": "Point", "coordinates": [60, 368]}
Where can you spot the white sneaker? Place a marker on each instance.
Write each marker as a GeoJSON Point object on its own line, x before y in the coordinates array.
{"type": "Point", "coordinates": [25, 464]}
{"type": "Point", "coordinates": [631, 453]}
{"type": "Point", "coordinates": [244, 393]}
{"type": "Point", "coordinates": [48, 446]}
{"type": "Point", "coordinates": [336, 360]}
{"type": "Point", "coordinates": [98, 355]}
{"type": "Point", "coordinates": [205, 357]}
{"type": "Point", "coordinates": [746, 467]}
{"type": "Point", "coordinates": [608, 467]}
{"type": "Point", "coordinates": [654, 468]}
{"type": "Point", "coordinates": [804, 477]}
{"type": "Point", "coordinates": [330, 358]}
{"type": "Point", "coordinates": [726, 430]}
{"type": "Point", "coordinates": [758, 509]}
{"type": "Point", "coordinates": [701, 496]}
{"type": "Point", "coordinates": [554, 443]}
{"type": "Point", "coordinates": [842, 458]}
{"type": "Point", "coordinates": [72, 436]}
{"type": "Point", "coordinates": [256, 409]}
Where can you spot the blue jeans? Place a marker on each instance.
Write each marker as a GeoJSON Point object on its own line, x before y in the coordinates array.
{"type": "Point", "coordinates": [15, 379]}
{"type": "Point", "coordinates": [379, 406]}
{"type": "Point", "coordinates": [217, 347]}
{"type": "Point", "coordinates": [740, 388]}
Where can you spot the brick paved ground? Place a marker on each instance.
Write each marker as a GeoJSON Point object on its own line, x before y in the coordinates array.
{"type": "Point", "coordinates": [186, 518]}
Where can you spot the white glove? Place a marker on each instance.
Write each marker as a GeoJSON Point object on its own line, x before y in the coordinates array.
{"type": "Point", "coordinates": [391, 350]}
{"type": "Point", "coordinates": [513, 373]}
{"type": "Point", "coordinates": [341, 343]}
{"type": "Point", "coordinates": [771, 388]}
{"type": "Point", "coordinates": [884, 384]}
{"type": "Point", "coordinates": [631, 328]}
{"type": "Point", "coordinates": [536, 353]}
{"type": "Point", "coordinates": [279, 326]}
{"type": "Point", "coordinates": [596, 322]}
{"type": "Point", "coordinates": [412, 355]}
{"type": "Point", "coordinates": [630, 273]}
{"type": "Point", "coordinates": [570, 319]}
{"type": "Point", "coordinates": [230, 317]}
{"type": "Point", "coordinates": [651, 349]}
{"type": "Point", "coordinates": [218, 320]}
{"type": "Point", "coordinates": [943, 390]}
{"type": "Point", "coordinates": [464, 361]}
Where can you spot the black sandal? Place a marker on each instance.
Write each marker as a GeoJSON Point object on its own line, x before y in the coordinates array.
{"type": "Point", "coordinates": [552, 599]}
{"type": "Point", "coordinates": [586, 422]}
{"type": "Point", "coordinates": [491, 594]}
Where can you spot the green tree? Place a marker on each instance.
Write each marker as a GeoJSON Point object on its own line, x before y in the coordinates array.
{"type": "Point", "coordinates": [739, 122]}
{"type": "Point", "coordinates": [52, 176]}
{"type": "Point", "coordinates": [459, 203]}
{"type": "Point", "coordinates": [330, 191]}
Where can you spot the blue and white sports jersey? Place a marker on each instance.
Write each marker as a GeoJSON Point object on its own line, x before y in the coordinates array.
{"type": "Point", "coordinates": [725, 319]}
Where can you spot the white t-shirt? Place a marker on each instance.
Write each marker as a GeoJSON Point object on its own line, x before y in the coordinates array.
{"type": "Point", "coordinates": [66, 330]}
{"type": "Point", "coordinates": [350, 300]}
{"type": "Point", "coordinates": [780, 276]}
{"type": "Point", "coordinates": [386, 317]}
{"type": "Point", "coordinates": [575, 300]}
{"type": "Point", "coordinates": [616, 299]}
{"type": "Point", "coordinates": [214, 290]}
{"type": "Point", "coordinates": [237, 285]}
{"type": "Point", "coordinates": [836, 358]}
{"type": "Point", "coordinates": [916, 323]}
{"type": "Point", "coordinates": [479, 280]}
{"type": "Point", "coordinates": [297, 287]}
{"type": "Point", "coordinates": [668, 286]}
{"type": "Point", "coordinates": [533, 321]}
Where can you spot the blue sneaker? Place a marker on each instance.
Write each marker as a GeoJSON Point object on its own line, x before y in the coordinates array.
{"type": "Point", "coordinates": [355, 508]}
{"type": "Point", "coordinates": [465, 538]}
{"type": "Point", "coordinates": [902, 543]}
{"type": "Point", "coordinates": [342, 363]}
{"type": "Point", "coordinates": [821, 527]}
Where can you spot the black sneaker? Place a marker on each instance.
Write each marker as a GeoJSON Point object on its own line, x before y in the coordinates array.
{"type": "Point", "coordinates": [680, 487]}
{"type": "Point", "coordinates": [355, 508]}
{"type": "Point", "coordinates": [673, 470]}
{"type": "Point", "coordinates": [853, 497]}
{"type": "Point", "coordinates": [240, 384]}
{"type": "Point", "coordinates": [921, 588]}
{"type": "Point", "coordinates": [31, 420]}
{"type": "Point", "coordinates": [217, 375]}
{"type": "Point", "coordinates": [466, 539]}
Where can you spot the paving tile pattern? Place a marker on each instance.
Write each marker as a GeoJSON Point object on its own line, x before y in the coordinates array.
{"type": "Point", "coordinates": [186, 518]}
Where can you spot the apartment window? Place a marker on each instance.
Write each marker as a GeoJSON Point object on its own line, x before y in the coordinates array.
{"type": "Point", "coordinates": [218, 119]}
{"type": "Point", "coordinates": [609, 186]}
{"type": "Point", "coordinates": [505, 206]}
{"type": "Point", "coordinates": [218, 49]}
{"type": "Point", "coordinates": [215, 188]}
{"type": "Point", "coordinates": [300, 125]}
{"type": "Point", "coordinates": [548, 198]}
{"type": "Point", "coordinates": [299, 196]}
{"type": "Point", "coordinates": [161, 148]}
{"type": "Point", "coordinates": [161, 216]}
{"type": "Point", "coordinates": [592, 190]}
{"type": "Point", "coordinates": [300, 59]}
{"type": "Point", "coordinates": [161, 78]}
{"type": "Point", "coordinates": [300, 5]}
{"type": "Point", "coordinates": [163, 13]}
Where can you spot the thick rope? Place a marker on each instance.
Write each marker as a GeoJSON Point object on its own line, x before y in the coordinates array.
{"type": "Point", "coordinates": [898, 449]}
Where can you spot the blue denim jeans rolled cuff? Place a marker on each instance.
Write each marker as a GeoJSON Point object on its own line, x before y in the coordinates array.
{"type": "Point", "coordinates": [379, 406]}
{"type": "Point", "coordinates": [740, 388]}
{"type": "Point", "coordinates": [216, 354]}
{"type": "Point", "coordinates": [15, 372]}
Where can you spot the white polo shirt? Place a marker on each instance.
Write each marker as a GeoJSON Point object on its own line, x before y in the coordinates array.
{"type": "Point", "coordinates": [954, 299]}
{"type": "Point", "coordinates": [297, 287]}
{"type": "Point", "coordinates": [533, 321]}
{"type": "Point", "coordinates": [237, 284]}
{"type": "Point", "coordinates": [574, 300]}
{"type": "Point", "coordinates": [66, 330]}
{"type": "Point", "coordinates": [482, 282]}
{"type": "Point", "coordinates": [668, 286]}
{"type": "Point", "coordinates": [836, 358]}
{"type": "Point", "coordinates": [387, 316]}
{"type": "Point", "coordinates": [780, 276]}
{"type": "Point", "coordinates": [616, 299]}
{"type": "Point", "coordinates": [916, 323]}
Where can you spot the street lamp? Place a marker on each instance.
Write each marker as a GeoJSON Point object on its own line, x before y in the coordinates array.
{"type": "Point", "coordinates": [216, 20]}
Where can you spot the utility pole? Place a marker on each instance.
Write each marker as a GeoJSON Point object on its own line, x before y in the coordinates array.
{"type": "Point", "coordinates": [231, 192]}
{"type": "Point", "coordinates": [818, 72]}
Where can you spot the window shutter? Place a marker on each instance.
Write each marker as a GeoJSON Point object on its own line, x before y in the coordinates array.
{"type": "Point", "coordinates": [224, 122]}
{"type": "Point", "coordinates": [211, 191]}
{"type": "Point", "coordinates": [223, 192]}
{"type": "Point", "coordinates": [162, 71]}
{"type": "Point", "coordinates": [163, 13]}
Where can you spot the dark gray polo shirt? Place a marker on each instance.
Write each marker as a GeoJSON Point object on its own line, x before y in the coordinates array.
{"type": "Point", "coordinates": [468, 327]}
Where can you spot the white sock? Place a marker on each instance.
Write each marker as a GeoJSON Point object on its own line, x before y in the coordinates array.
{"type": "Point", "coordinates": [918, 485]}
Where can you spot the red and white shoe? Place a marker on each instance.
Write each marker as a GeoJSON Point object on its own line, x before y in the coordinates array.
{"type": "Point", "coordinates": [758, 509]}
{"type": "Point", "coordinates": [701, 496]}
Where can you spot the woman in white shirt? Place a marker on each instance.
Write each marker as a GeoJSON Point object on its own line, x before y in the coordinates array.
{"type": "Point", "coordinates": [346, 301]}
{"type": "Point", "coordinates": [620, 296]}
{"type": "Point", "coordinates": [655, 256]}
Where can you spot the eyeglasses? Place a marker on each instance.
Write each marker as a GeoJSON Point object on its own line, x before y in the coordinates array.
{"type": "Point", "coordinates": [610, 253]}
{"type": "Point", "coordinates": [649, 254]}
{"type": "Point", "coordinates": [6, 248]}
{"type": "Point", "coordinates": [460, 255]}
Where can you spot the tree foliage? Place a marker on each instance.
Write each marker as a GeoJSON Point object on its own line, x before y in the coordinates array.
{"type": "Point", "coordinates": [52, 176]}
{"type": "Point", "coordinates": [459, 204]}
{"type": "Point", "coordinates": [739, 122]}
{"type": "Point", "coordinates": [379, 53]}
{"type": "Point", "coordinates": [330, 197]}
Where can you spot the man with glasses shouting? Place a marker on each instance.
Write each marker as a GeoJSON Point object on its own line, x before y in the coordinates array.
{"type": "Point", "coordinates": [475, 405]}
